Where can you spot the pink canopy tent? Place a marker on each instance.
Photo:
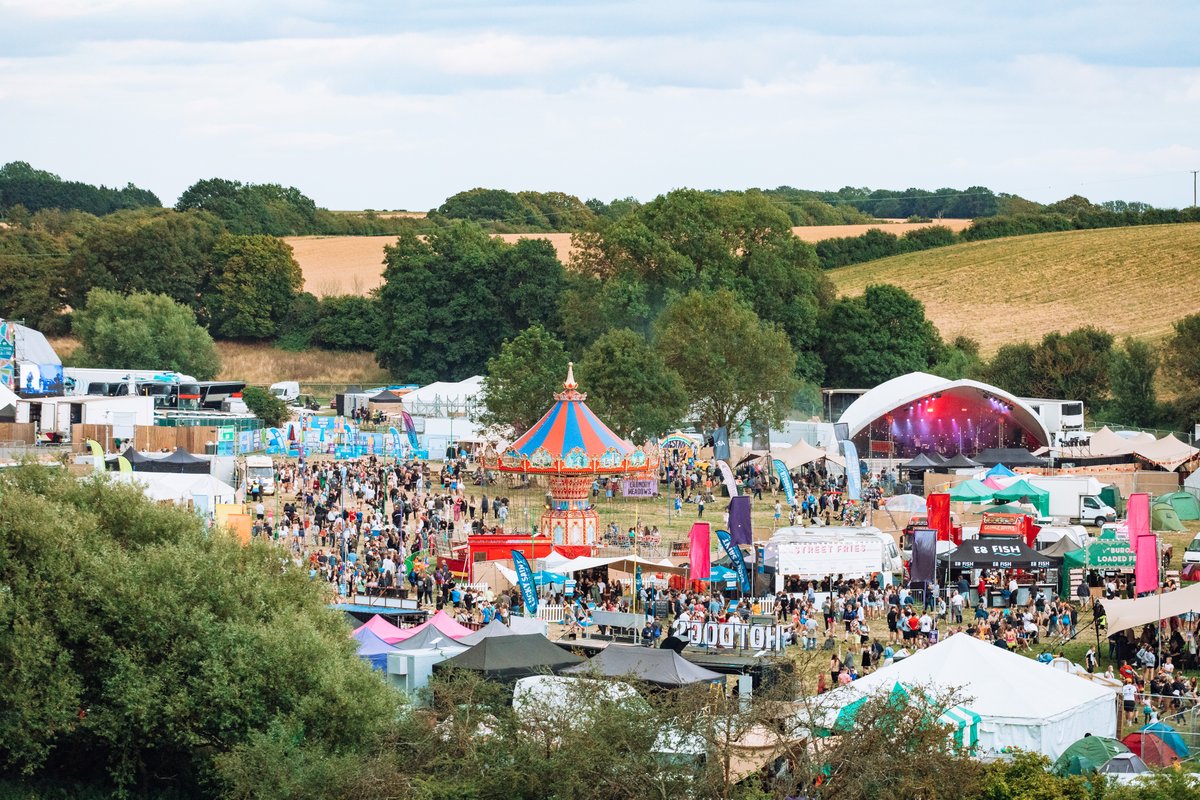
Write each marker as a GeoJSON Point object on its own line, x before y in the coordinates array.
{"type": "Point", "coordinates": [443, 622]}
{"type": "Point", "coordinates": [383, 629]}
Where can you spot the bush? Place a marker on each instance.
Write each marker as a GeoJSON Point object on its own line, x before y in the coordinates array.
{"type": "Point", "coordinates": [266, 406]}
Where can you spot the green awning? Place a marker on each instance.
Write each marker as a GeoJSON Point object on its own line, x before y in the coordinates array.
{"type": "Point", "coordinates": [1023, 489]}
{"type": "Point", "coordinates": [972, 491]}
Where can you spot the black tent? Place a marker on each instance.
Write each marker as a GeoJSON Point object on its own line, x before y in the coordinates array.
{"type": "Point", "coordinates": [181, 461]}
{"type": "Point", "coordinates": [959, 462]}
{"type": "Point", "coordinates": [1006, 552]}
{"type": "Point", "coordinates": [386, 397]}
{"type": "Point", "coordinates": [512, 657]}
{"type": "Point", "coordinates": [493, 628]}
{"type": "Point", "coordinates": [430, 637]}
{"type": "Point", "coordinates": [137, 461]}
{"type": "Point", "coordinates": [1008, 456]}
{"type": "Point", "coordinates": [660, 667]}
{"type": "Point", "coordinates": [921, 462]}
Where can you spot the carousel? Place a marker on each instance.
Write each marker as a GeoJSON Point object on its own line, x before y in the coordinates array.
{"type": "Point", "coordinates": [572, 447]}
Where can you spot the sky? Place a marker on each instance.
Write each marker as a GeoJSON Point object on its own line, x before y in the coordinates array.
{"type": "Point", "coordinates": [398, 105]}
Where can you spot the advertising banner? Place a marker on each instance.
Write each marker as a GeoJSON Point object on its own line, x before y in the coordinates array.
{"type": "Point", "coordinates": [735, 558]}
{"type": "Point", "coordinates": [639, 487]}
{"type": "Point", "coordinates": [924, 556]}
{"type": "Point", "coordinates": [785, 481]}
{"type": "Point", "coordinates": [525, 580]}
{"type": "Point", "coordinates": [816, 559]}
{"type": "Point", "coordinates": [853, 473]}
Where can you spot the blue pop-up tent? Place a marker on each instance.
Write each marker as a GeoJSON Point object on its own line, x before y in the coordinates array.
{"type": "Point", "coordinates": [1000, 471]}
{"type": "Point", "coordinates": [372, 649]}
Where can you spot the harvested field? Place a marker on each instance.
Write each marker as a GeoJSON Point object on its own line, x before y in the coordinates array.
{"type": "Point", "coordinates": [817, 233]}
{"type": "Point", "coordinates": [1129, 281]}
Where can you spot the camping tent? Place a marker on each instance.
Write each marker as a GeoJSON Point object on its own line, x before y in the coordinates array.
{"type": "Point", "coordinates": [1088, 754]}
{"type": "Point", "coordinates": [382, 628]}
{"type": "Point", "coordinates": [999, 552]}
{"type": "Point", "coordinates": [511, 657]}
{"type": "Point", "coordinates": [493, 628]}
{"type": "Point", "coordinates": [1151, 747]}
{"type": "Point", "coordinates": [1186, 506]}
{"type": "Point", "coordinates": [657, 666]}
{"type": "Point", "coordinates": [180, 461]}
{"type": "Point", "coordinates": [1169, 735]}
{"type": "Point", "coordinates": [1012, 456]}
{"type": "Point", "coordinates": [1164, 518]}
{"type": "Point", "coordinates": [1020, 703]}
{"type": "Point", "coordinates": [373, 650]}
{"type": "Point", "coordinates": [971, 491]}
{"type": "Point", "coordinates": [1017, 491]}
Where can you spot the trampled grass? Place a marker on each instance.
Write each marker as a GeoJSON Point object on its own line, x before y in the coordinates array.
{"type": "Point", "coordinates": [1129, 281]}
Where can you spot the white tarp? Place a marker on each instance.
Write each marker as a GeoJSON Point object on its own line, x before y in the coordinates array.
{"type": "Point", "coordinates": [177, 488]}
{"type": "Point", "coordinates": [1021, 703]}
{"type": "Point", "coordinates": [1126, 614]}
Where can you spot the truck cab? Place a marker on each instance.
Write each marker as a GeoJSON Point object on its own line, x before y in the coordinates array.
{"type": "Point", "coordinates": [1093, 511]}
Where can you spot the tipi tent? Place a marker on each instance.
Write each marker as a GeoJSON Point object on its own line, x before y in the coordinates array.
{"type": "Point", "coordinates": [1020, 702]}
{"type": "Point", "coordinates": [1186, 506]}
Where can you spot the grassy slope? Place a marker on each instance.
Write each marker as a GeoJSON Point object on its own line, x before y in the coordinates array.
{"type": "Point", "coordinates": [1130, 281]}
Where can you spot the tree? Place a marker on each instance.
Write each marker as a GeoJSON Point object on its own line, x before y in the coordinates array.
{"type": "Point", "coordinates": [142, 331]}
{"type": "Point", "coordinates": [266, 406]}
{"type": "Point", "coordinates": [36, 189]}
{"type": "Point", "coordinates": [522, 378]}
{"type": "Point", "coordinates": [255, 283]}
{"type": "Point", "coordinates": [1181, 354]}
{"type": "Point", "coordinates": [734, 366]}
{"type": "Point", "coordinates": [629, 386]}
{"type": "Point", "coordinates": [1011, 369]}
{"type": "Point", "coordinates": [448, 302]}
{"type": "Point", "coordinates": [139, 646]}
{"type": "Point", "coordinates": [248, 208]}
{"type": "Point", "coordinates": [33, 285]}
{"type": "Point", "coordinates": [959, 359]}
{"type": "Point", "coordinates": [1073, 366]}
{"type": "Point", "coordinates": [876, 337]}
{"type": "Point", "coordinates": [347, 322]}
{"type": "Point", "coordinates": [161, 251]}
{"type": "Point", "coordinates": [1131, 375]}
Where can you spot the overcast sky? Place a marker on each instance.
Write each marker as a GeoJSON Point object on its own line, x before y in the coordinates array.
{"type": "Point", "coordinates": [397, 105]}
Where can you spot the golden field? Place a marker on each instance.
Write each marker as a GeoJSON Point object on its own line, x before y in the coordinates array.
{"type": "Point", "coordinates": [354, 264]}
{"type": "Point", "coordinates": [1129, 281]}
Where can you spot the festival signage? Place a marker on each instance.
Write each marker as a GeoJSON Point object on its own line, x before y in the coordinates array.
{"type": "Point", "coordinates": [736, 635]}
{"type": "Point", "coordinates": [639, 487]}
{"type": "Point", "coordinates": [830, 557]}
{"type": "Point", "coordinates": [735, 558]}
{"type": "Point", "coordinates": [525, 580]}
{"type": "Point", "coordinates": [785, 480]}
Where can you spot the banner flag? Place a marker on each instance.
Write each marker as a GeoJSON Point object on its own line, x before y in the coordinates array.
{"type": "Point", "coordinates": [97, 455]}
{"type": "Point", "coordinates": [1144, 541]}
{"type": "Point", "coordinates": [735, 558]}
{"type": "Point", "coordinates": [937, 507]}
{"type": "Point", "coordinates": [525, 580]}
{"type": "Point", "coordinates": [699, 560]}
{"type": "Point", "coordinates": [924, 556]}
{"type": "Point", "coordinates": [721, 444]}
{"type": "Point", "coordinates": [395, 434]}
{"type": "Point", "coordinates": [740, 528]}
{"type": "Point", "coordinates": [853, 475]}
{"type": "Point", "coordinates": [411, 429]}
{"type": "Point", "coordinates": [785, 480]}
{"type": "Point", "coordinates": [727, 478]}
{"type": "Point", "coordinates": [123, 464]}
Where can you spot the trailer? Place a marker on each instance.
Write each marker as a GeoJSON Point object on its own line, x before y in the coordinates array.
{"type": "Point", "coordinates": [1075, 497]}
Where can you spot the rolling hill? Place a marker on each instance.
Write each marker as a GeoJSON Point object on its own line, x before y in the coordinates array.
{"type": "Point", "coordinates": [1129, 281]}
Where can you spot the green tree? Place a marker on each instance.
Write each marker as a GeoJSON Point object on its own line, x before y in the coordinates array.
{"type": "Point", "coordinates": [1131, 375]}
{"type": "Point", "coordinates": [33, 279]}
{"type": "Point", "coordinates": [142, 331]}
{"type": "Point", "coordinates": [255, 283]}
{"type": "Point", "coordinates": [1073, 365]}
{"type": "Point", "coordinates": [1181, 354]}
{"type": "Point", "coordinates": [876, 337]}
{"type": "Point", "coordinates": [266, 406]}
{"type": "Point", "coordinates": [449, 301]}
{"type": "Point", "coordinates": [959, 359]}
{"type": "Point", "coordinates": [1011, 369]}
{"type": "Point", "coordinates": [161, 251]}
{"type": "Point", "coordinates": [347, 322]}
{"type": "Point", "coordinates": [248, 208]}
{"type": "Point", "coordinates": [139, 647]}
{"type": "Point", "coordinates": [521, 379]}
{"type": "Point", "coordinates": [734, 366]}
{"type": "Point", "coordinates": [629, 386]}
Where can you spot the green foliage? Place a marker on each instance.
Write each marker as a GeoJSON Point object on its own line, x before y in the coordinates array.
{"type": "Point", "coordinates": [521, 379]}
{"type": "Point", "coordinates": [33, 285]}
{"type": "Point", "coordinates": [248, 208]}
{"type": "Point", "coordinates": [877, 337]}
{"type": "Point", "coordinates": [734, 366]}
{"type": "Point", "coordinates": [1027, 777]}
{"type": "Point", "coordinates": [35, 189]}
{"type": "Point", "coordinates": [1073, 366]}
{"type": "Point", "coordinates": [1011, 369]}
{"type": "Point", "coordinates": [1165, 784]}
{"type": "Point", "coordinates": [1181, 354]}
{"type": "Point", "coordinates": [255, 284]}
{"type": "Point", "coordinates": [959, 359]}
{"type": "Point", "coordinates": [503, 210]}
{"type": "Point", "coordinates": [299, 325]}
{"type": "Point", "coordinates": [449, 301]}
{"type": "Point", "coordinates": [266, 406]}
{"type": "Point", "coordinates": [347, 322]}
{"type": "Point", "coordinates": [160, 251]}
{"type": "Point", "coordinates": [142, 331]}
{"type": "Point", "coordinates": [1131, 375]}
{"type": "Point", "coordinates": [140, 648]}
{"type": "Point", "coordinates": [630, 387]}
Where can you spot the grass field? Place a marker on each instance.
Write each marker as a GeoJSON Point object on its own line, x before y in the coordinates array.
{"type": "Point", "coordinates": [1129, 281]}
{"type": "Point", "coordinates": [354, 264]}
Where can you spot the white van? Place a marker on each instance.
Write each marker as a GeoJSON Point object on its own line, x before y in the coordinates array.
{"type": "Point", "coordinates": [260, 470]}
{"type": "Point", "coordinates": [1192, 554]}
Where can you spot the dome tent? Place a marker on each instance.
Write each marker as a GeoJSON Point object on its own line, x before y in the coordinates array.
{"type": "Point", "coordinates": [1088, 754]}
{"type": "Point", "coordinates": [1186, 506]}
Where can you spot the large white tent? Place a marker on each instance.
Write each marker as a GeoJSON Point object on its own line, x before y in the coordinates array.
{"type": "Point", "coordinates": [1021, 703]}
{"type": "Point", "coordinates": [205, 490]}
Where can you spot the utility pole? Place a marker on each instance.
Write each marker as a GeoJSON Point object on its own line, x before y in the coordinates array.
{"type": "Point", "coordinates": [1194, 187]}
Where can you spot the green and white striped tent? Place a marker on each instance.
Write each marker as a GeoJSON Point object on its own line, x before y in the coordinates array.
{"type": "Point", "coordinates": [963, 721]}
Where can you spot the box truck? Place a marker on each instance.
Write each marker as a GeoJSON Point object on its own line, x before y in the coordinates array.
{"type": "Point", "coordinates": [1075, 497]}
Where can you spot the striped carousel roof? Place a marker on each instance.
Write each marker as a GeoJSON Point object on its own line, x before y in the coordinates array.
{"type": "Point", "coordinates": [570, 438]}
